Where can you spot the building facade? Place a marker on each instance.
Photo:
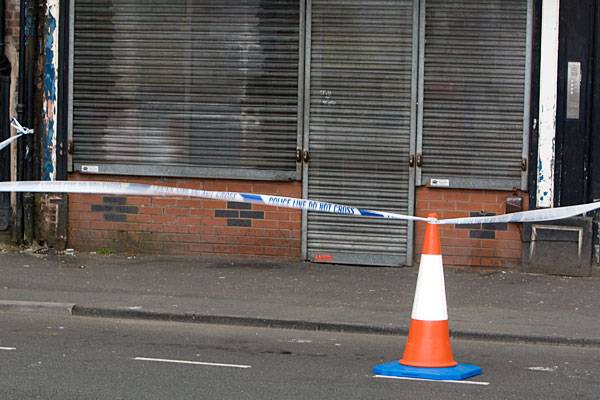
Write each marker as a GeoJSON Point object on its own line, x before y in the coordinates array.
{"type": "Point", "coordinates": [409, 106]}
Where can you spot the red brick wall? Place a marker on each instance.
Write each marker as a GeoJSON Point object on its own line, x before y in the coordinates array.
{"type": "Point", "coordinates": [486, 246]}
{"type": "Point", "coordinates": [131, 224]}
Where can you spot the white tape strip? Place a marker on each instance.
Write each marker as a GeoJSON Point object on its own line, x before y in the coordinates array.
{"type": "Point", "coordinates": [138, 189]}
{"type": "Point", "coordinates": [17, 125]}
{"type": "Point", "coordinates": [546, 214]}
{"type": "Point", "coordinates": [22, 131]}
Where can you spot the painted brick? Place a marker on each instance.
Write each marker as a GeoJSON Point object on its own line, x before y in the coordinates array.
{"type": "Point", "coordinates": [102, 208]}
{"type": "Point", "coordinates": [115, 217]}
{"type": "Point", "coordinates": [114, 200]}
{"type": "Point", "coordinates": [126, 209]}
{"type": "Point", "coordinates": [253, 214]}
{"type": "Point", "coordinates": [227, 213]}
{"type": "Point", "coordinates": [239, 222]}
{"type": "Point", "coordinates": [495, 227]}
{"type": "Point", "coordinates": [238, 206]}
{"type": "Point", "coordinates": [468, 226]}
{"type": "Point", "coordinates": [482, 235]}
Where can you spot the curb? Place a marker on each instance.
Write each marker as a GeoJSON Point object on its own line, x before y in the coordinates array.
{"type": "Point", "coordinates": [85, 311]}
{"type": "Point", "coordinates": [70, 309]}
{"type": "Point", "coordinates": [37, 306]}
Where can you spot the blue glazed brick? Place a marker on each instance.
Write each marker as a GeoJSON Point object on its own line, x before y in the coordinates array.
{"type": "Point", "coordinates": [238, 206]}
{"type": "Point", "coordinates": [102, 208]}
{"type": "Point", "coordinates": [126, 209]}
{"type": "Point", "coordinates": [226, 214]}
{"type": "Point", "coordinates": [252, 214]}
{"type": "Point", "coordinates": [115, 217]}
{"type": "Point", "coordinates": [114, 200]}
{"type": "Point", "coordinates": [244, 223]}
{"type": "Point", "coordinates": [482, 235]}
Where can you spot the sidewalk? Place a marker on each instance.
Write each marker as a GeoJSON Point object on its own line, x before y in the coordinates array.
{"type": "Point", "coordinates": [492, 304]}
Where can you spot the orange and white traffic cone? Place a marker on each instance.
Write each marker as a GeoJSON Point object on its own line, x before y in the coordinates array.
{"type": "Point", "coordinates": [428, 353]}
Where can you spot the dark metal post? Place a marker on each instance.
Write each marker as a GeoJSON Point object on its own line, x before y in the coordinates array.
{"type": "Point", "coordinates": [25, 202]}
{"type": "Point", "coordinates": [5, 208]}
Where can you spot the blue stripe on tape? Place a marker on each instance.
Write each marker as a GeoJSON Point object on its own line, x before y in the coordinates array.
{"type": "Point", "coordinates": [251, 197]}
{"type": "Point", "coordinates": [139, 189]}
{"type": "Point", "coordinates": [367, 213]}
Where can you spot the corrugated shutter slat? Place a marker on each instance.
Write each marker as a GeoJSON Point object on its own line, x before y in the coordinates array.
{"type": "Point", "coordinates": [187, 88]}
{"type": "Point", "coordinates": [474, 86]}
{"type": "Point", "coordinates": [360, 115]}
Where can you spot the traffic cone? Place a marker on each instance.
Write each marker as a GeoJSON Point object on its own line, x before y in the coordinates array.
{"type": "Point", "coordinates": [428, 352]}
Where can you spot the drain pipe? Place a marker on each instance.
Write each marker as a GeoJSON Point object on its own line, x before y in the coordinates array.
{"type": "Point", "coordinates": [3, 59]}
{"type": "Point", "coordinates": [4, 63]}
{"type": "Point", "coordinates": [25, 213]}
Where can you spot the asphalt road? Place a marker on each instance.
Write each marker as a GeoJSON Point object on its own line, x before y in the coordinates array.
{"type": "Point", "coordinates": [65, 357]}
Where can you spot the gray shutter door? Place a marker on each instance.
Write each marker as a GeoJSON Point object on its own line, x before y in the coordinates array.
{"type": "Point", "coordinates": [187, 88]}
{"type": "Point", "coordinates": [360, 127]}
{"type": "Point", "coordinates": [474, 90]}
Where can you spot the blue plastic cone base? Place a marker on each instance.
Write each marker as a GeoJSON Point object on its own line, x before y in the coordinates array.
{"type": "Point", "coordinates": [457, 373]}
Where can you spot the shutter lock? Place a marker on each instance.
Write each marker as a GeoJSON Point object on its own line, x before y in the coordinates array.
{"type": "Point", "coordinates": [305, 156]}
{"type": "Point", "coordinates": [524, 164]}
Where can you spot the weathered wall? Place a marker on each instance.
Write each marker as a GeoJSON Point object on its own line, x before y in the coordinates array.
{"type": "Point", "coordinates": [12, 53]}
{"type": "Point", "coordinates": [130, 224]}
{"type": "Point", "coordinates": [497, 245]}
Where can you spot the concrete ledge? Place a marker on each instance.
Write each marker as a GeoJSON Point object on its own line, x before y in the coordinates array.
{"type": "Point", "coordinates": [323, 326]}
{"type": "Point", "coordinates": [37, 306]}
{"type": "Point", "coordinates": [125, 313]}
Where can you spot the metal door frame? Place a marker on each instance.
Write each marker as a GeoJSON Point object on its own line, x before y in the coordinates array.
{"type": "Point", "coordinates": [416, 65]}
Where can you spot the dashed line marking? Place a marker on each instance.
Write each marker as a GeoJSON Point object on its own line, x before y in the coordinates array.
{"type": "Point", "coordinates": [208, 364]}
{"type": "Point", "coordinates": [8, 348]}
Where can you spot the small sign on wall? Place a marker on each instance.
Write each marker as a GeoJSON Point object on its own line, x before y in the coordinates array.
{"type": "Point", "coordinates": [435, 182]}
{"type": "Point", "coordinates": [574, 90]}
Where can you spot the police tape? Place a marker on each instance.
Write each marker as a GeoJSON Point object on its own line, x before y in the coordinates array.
{"type": "Point", "coordinates": [139, 189]}
{"type": "Point", "coordinates": [21, 131]}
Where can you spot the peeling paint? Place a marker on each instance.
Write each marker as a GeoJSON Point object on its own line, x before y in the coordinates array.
{"type": "Point", "coordinates": [50, 91]}
{"type": "Point", "coordinates": [548, 97]}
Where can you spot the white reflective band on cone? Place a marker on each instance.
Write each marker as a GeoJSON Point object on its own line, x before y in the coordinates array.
{"type": "Point", "coordinates": [430, 295]}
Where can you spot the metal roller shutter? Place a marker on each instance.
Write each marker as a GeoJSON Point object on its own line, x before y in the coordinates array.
{"type": "Point", "coordinates": [361, 82]}
{"type": "Point", "coordinates": [187, 88]}
{"type": "Point", "coordinates": [474, 91]}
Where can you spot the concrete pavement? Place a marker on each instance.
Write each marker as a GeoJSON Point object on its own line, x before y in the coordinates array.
{"type": "Point", "coordinates": [490, 304]}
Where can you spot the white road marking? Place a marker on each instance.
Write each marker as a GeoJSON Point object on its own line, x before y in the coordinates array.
{"type": "Point", "coordinates": [432, 380]}
{"type": "Point", "coordinates": [208, 364]}
{"type": "Point", "coordinates": [7, 348]}
{"type": "Point", "coordinates": [544, 369]}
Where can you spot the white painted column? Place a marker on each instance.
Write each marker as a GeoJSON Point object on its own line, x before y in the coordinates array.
{"type": "Point", "coordinates": [548, 96]}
